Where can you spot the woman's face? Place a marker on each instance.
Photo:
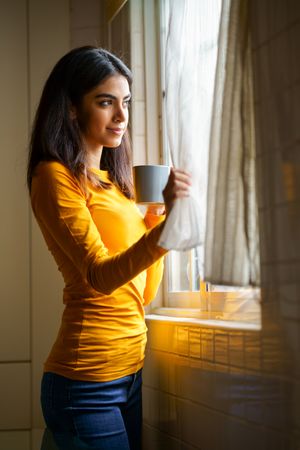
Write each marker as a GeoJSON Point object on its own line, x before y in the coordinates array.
{"type": "Point", "coordinates": [103, 113]}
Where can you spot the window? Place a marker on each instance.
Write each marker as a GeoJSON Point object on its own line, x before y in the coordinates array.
{"type": "Point", "coordinates": [185, 269]}
{"type": "Point", "coordinates": [184, 283]}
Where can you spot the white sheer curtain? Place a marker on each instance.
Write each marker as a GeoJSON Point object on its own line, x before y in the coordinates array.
{"type": "Point", "coordinates": [189, 79]}
{"type": "Point", "coordinates": [232, 237]}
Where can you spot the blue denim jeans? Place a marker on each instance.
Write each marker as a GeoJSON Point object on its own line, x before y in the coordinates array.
{"type": "Point", "coordinates": [92, 415]}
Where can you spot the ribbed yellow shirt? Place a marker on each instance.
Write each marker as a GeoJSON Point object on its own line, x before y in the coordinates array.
{"type": "Point", "coordinates": [111, 266]}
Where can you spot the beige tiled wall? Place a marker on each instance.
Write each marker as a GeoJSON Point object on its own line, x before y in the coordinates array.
{"type": "Point", "coordinates": [87, 23]}
{"type": "Point", "coordinates": [30, 283]}
{"type": "Point", "coordinates": [14, 244]}
{"type": "Point", "coordinates": [212, 389]}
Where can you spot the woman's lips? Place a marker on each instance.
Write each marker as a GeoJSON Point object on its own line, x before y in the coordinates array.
{"type": "Point", "coordinates": [117, 131]}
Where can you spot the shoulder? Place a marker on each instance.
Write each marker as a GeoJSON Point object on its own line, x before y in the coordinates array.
{"type": "Point", "coordinates": [51, 169]}
{"type": "Point", "coordinates": [54, 176]}
{"type": "Point", "coordinates": [53, 172]}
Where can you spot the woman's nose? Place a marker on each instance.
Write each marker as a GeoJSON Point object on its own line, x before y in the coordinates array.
{"type": "Point", "coordinates": [120, 114]}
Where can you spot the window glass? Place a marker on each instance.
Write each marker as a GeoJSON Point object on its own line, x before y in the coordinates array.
{"type": "Point", "coordinates": [187, 294]}
{"type": "Point", "coordinates": [185, 269]}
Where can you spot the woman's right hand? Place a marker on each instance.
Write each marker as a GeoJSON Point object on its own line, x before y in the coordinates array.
{"type": "Point", "coordinates": [178, 186]}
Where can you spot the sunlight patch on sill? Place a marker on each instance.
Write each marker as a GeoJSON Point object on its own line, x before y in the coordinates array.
{"type": "Point", "coordinates": [205, 319]}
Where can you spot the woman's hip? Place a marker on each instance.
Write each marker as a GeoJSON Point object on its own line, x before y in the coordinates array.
{"type": "Point", "coordinates": [88, 414]}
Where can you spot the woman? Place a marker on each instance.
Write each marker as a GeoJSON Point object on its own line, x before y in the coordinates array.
{"type": "Point", "coordinates": [80, 182]}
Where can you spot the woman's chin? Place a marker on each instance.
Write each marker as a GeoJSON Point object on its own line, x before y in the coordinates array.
{"type": "Point", "coordinates": [113, 143]}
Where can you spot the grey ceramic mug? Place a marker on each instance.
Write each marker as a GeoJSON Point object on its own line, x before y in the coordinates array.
{"type": "Point", "coordinates": [149, 182]}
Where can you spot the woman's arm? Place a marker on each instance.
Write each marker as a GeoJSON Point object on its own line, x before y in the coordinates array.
{"type": "Point", "coordinates": [60, 208]}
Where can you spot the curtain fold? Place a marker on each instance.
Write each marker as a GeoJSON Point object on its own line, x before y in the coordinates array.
{"type": "Point", "coordinates": [232, 237]}
{"type": "Point", "coordinates": [189, 78]}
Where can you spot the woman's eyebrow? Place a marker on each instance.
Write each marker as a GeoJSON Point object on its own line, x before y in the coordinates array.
{"type": "Point", "coordinates": [113, 97]}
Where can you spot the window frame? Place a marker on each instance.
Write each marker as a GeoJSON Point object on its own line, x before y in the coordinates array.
{"type": "Point", "coordinates": [183, 299]}
{"type": "Point", "coordinates": [209, 299]}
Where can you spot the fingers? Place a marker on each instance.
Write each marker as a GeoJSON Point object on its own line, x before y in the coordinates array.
{"type": "Point", "coordinates": [156, 210]}
{"type": "Point", "coordinates": [178, 186]}
{"type": "Point", "coordinates": [182, 181]}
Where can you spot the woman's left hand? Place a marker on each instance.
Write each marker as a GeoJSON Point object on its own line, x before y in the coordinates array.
{"type": "Point", "coordinates": [156, 210]}
{"type": "Point", "coordinates": [178, 186]}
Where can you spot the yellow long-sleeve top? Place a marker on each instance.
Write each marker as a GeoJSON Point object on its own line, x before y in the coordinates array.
{"type": "Point", "coordinates": [111, 266]}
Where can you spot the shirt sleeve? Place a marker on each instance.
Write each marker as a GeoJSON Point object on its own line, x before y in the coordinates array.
{"type": "Point", "coordinates": [59, 205]}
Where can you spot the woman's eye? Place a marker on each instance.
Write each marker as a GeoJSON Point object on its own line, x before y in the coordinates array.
{"type": "Point", "coordinates": [105, 103]}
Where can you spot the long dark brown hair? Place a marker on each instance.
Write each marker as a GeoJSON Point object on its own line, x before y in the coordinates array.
{"type": "Point", "coordinates": [56, 137]}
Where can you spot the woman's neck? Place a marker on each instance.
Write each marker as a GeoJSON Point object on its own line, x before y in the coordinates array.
{"type": "Point", "coordinates": [93, 158]}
